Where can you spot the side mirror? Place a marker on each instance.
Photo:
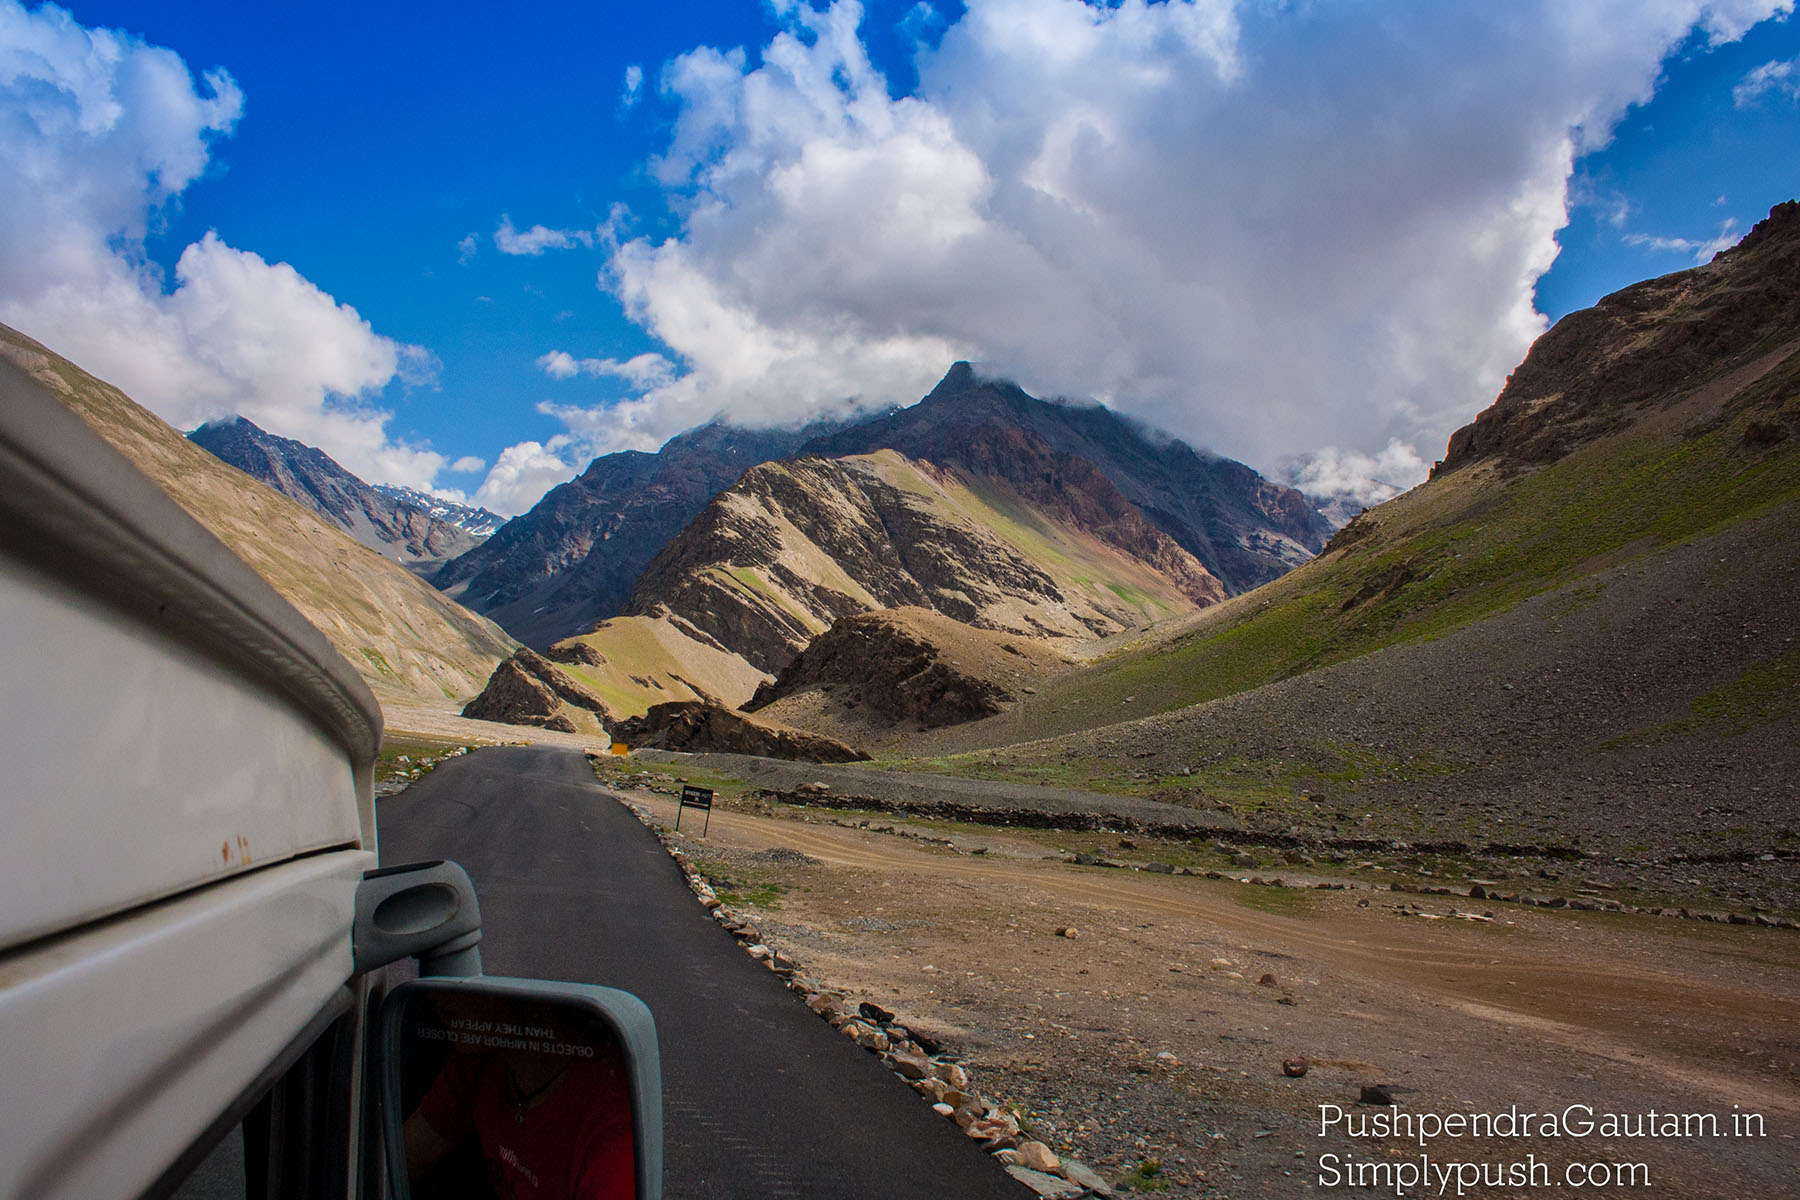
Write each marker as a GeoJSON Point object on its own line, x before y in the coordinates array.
{"type": "Point", "coordinates": [490, 1084]}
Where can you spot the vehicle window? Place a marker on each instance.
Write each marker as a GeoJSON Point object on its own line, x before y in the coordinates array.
{"type": "Point", "coordinates": [220, 1175]}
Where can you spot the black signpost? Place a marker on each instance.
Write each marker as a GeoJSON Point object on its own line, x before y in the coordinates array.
{"type": "Point", "coordinates": [695, 797]}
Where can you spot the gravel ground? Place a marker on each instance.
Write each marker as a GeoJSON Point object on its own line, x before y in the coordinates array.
{"type": "Point", "coordinates": [1151, 1044]}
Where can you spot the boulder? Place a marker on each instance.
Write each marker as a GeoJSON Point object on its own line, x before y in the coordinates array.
{"type": "Point", "coordinates": [528, 689]}
{"type": "Point", "coordinates": [1083, 1176]}
{"type": "Point", "coordinates": [575, 652]}
{"type": "Point", "coordinates": [1044, 1185]}
{"type": "Point", "coordinates": [910, 1066]}
{"type": "Point", "coordinates": [700, 726]}
{"type": "Point", "coordinates": [952, 1074]}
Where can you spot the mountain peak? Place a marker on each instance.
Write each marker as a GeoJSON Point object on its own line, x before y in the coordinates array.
{"type": "Point", "coordinates": [959, 378]}
{"type": "Point", "coordinates": [962, 381]}
{"type": "Point", "coordinates": [1244, 529]}
{"type": "Point", "coordinates": [397, 528]}
{"type": "Point", "coordinates": [1641, 348]}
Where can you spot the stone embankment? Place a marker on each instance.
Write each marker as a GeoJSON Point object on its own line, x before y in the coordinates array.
{"type": "Point", "coordinates": [408, 769]}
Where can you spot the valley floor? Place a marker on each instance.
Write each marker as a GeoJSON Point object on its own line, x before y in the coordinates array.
{"type": "Point", "coordinates": [1151, 1044]}
{"type": "Point", "coordinates": [405, 721]}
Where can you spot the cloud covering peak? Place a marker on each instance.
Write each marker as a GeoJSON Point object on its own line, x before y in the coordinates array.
{"type": "Point", "coordinates": [1264, 228]}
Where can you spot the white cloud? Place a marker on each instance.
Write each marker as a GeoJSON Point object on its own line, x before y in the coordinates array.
{"type": "Point", "coordinates": [1351, 475]}
{"type": "Point", "coordinates": [99, 131]}
{"type": "Point", "coordinates": [1726, 21]}
{"type": "Point", "coordinates": [468, 464]}
{"type": "Point", "coordinates": [643, 370]}
{"type": "Point", "coordinates": [534, 241]}
{"type": "Point", "coordinates": [1778, 79]}
{"type": "Point", "coordinates": [522, 474]}
{"type": "Point", "coordinates": [1701, 249]}
{"type": "Point", "coordinates": [1248, 224]}
{"type": "Point", "coordinates": [632, 89]}
{"type": "Point", "coordinates": [466, 250]}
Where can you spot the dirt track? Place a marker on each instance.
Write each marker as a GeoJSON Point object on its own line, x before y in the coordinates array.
{"type": "Point", "coordinates": [1537, 1009]}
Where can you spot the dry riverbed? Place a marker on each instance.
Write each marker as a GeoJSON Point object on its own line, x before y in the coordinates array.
{"type": "Point", "coordinates": [1140, 1022]}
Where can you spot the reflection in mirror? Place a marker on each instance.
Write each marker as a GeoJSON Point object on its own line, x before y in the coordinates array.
{"type": "Point", "coordinates": [508, 1095]}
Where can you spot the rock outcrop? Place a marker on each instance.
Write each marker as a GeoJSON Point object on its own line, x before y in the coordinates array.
{"type": "Point", "coordinates": [793, 547]}
{"type": "Point", "coordinates": [1603, 368]}
{"type": "Point", "coordinates": [699, 727]}
{"type": "Point", "coordinates": [575, 653]}
{"type": "Point", "coordinates": [528, 689]}
{"type": "Point", "coordinates": [910, 665]}
{"type": "Point", "coordinates": [572, 560]}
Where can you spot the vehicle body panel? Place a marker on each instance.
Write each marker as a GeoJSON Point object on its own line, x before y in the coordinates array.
{"type": "Point", "coordinates": [147, 770]}
{"type": "Point", "coordinates": [144, 1027]}
{"type": "Point", "coordinates": [186, 811]}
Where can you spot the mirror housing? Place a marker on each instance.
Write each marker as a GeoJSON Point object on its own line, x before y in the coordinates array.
{"type": "Point", "coordinates": [488, 1076]}
{"type": "Point", "coordinates": [423, 910]}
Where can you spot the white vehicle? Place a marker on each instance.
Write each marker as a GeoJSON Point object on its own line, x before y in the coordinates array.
{"type": "Point", "coordinates": [191, 924]}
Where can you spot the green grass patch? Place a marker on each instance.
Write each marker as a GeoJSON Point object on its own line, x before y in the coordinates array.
{"type": "Point", "coordinates": [766, 895]}
{"type": "Point", "coordinates": [405, 754]}
{"type": "Point", "coordinates": [1145, 1175]}
{"type": "Point", "coordinates": [1278, 901]}
{"type": "Point", "coordinates": [377, 660]}
{"type": "Point", "coordinates": [741, 886]}
{"type": "Point", "coordinates": [1242, 784]}
{"type": "Point", "coordinates": [1545, 529]}
{"type": "Point", "coordinates": [1766, 692]}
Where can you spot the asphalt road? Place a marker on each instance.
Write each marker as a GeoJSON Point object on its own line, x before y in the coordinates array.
{"type": "Point", "coordinates": [760, 1097]}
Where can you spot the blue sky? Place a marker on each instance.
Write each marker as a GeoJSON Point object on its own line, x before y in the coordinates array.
{"type": "Point", "coordinates": [1314, 237]}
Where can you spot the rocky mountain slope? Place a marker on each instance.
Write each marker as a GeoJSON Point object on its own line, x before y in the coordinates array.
{"type": "Point", "coordinates": [392, 528]}
{"type": "Point", "coordinates": [474, 520]}
{"type": "Point", "coordinates": [793, 547]}
{"type": "Point", "coordinates": [573, 559]}
{"type": "Point", "coordinates": [1651, 346]}
{"type": "Point", "coordinates": [1243, 528]}
{"type": "Point", "coordinates": [412, 644]}
{"type": "Point", "coordinates": [1580, 633]}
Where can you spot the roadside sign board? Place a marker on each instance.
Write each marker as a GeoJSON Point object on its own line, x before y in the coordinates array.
{"type": "Point", "coordinates": [695, 797]}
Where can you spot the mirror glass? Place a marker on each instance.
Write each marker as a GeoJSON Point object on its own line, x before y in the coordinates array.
{"type": "Point", "coordinates": [500, 1095]}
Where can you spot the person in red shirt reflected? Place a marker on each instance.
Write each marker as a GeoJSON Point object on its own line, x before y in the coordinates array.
{"type": "Point", "coordinates": [549, 1127]}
